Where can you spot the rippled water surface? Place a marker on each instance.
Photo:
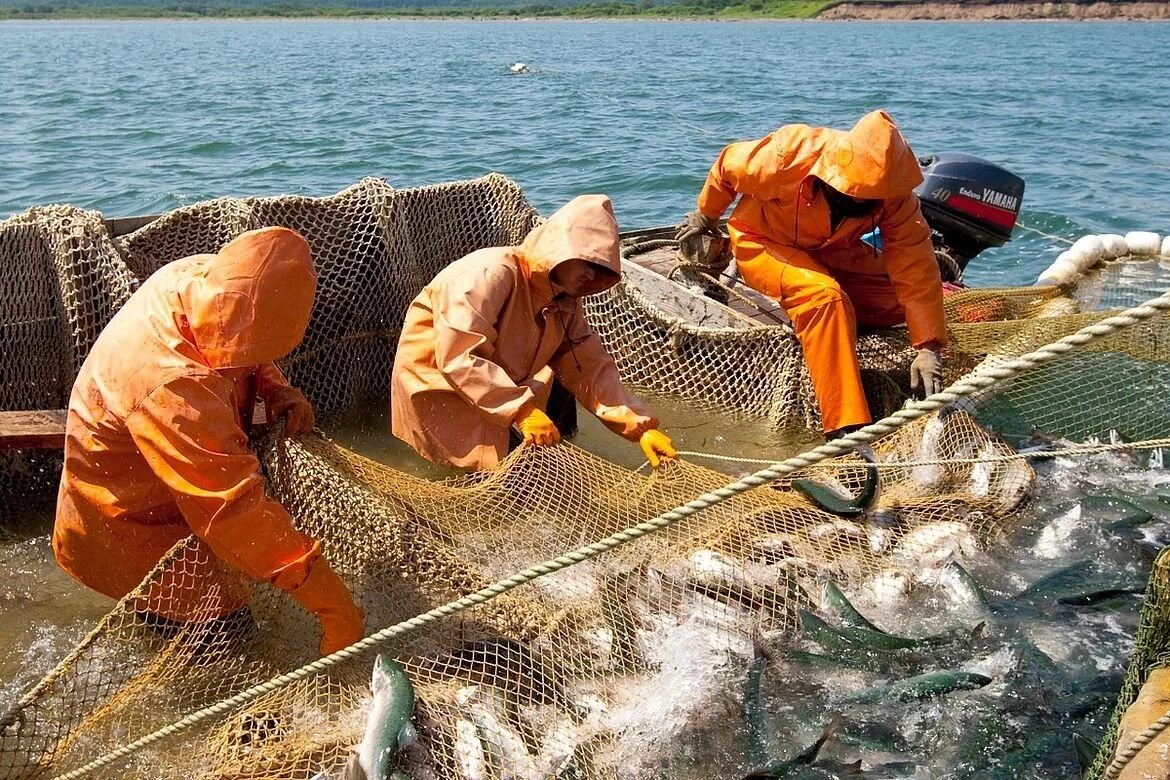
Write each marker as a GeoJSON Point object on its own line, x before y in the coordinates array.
{"type": "Point", "coordinates": [140, 117]}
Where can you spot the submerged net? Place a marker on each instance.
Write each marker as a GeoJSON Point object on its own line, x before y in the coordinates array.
{"type": "Point", "coordinates": [551, 679]}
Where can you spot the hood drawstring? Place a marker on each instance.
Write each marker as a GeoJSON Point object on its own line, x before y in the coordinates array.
{"type": "Point", "coordinates": [565, 330]}
{"type": "Point", "coordinates": [796, 220]}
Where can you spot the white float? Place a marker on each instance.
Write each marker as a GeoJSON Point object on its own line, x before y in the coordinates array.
{"type": "Point", "coordinates": [1062, 272]}
{"type": "Point", "coordinates": [1091, 250]}
{"type": "Point", "coordinates": [1115, 245]}
{"type": "Point", "coordinates": [1086, 252]}
{"type": "Point", "coordinates": [1141, 242]}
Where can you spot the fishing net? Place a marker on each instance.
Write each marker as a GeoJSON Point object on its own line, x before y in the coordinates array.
{"type": "Point", "coordinates": [550, 679]}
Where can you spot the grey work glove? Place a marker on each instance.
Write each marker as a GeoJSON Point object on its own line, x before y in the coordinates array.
{"type": "Point", "coordinates": [926, 372]}
{"type": "Point", "coordinates": [694, 224]}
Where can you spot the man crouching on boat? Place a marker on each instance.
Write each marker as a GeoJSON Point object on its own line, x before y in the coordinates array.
{"type": "Point", "coordinates": [828, 224]}
{"type": "Point", "coordinates": [483, 341]}
{"type": "Point", "coordinates": [156, 449]}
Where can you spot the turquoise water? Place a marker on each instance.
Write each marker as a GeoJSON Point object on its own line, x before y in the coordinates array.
{"type": "Point", "coordinates": [140, 117]}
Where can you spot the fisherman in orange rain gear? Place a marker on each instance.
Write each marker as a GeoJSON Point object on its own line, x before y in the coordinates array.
{"type": "Point", "coordinates": [156, 449]}
{"type": "Point", "coordinates": [809, 195]}
{"type": "Point", "coordinates": [483, 342]}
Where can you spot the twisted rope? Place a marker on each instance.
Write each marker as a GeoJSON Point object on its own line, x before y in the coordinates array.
{"type": "Point", "coordinates": [978, 380]}
{"type": "Point", "coordinates": [1087, 449]}
{"type": "Point", "coordinates": [1139, 742]}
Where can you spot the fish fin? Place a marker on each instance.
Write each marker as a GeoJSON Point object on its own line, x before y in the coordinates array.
{"type": "Point", "coordinates": [353, 769]}
{"type": "Point", "coordinates": [407, 736]}
{"type": "Point", "coordinates": [827, 733]}
{"type": "Point", "coordinates": [1086, 750]}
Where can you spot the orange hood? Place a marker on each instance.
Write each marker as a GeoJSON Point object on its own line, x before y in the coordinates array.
{"type": "Point", "coordinates": [872, 161]}
{"type": "Point", "coordinates": [250, 304]}
{"type": "Point", "coordinates": [583, 228]}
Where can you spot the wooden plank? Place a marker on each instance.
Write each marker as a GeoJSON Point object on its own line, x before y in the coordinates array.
{"type": "Point", "coordinates": [32, 430]}
{"type": "Point", "coordinates": [44, 429]}
{"type": "Point", "coordinates": [120, 226]}
{"type": "Point", "coordinates": [681, 302]}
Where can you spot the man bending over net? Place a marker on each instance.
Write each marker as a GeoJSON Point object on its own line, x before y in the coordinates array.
{"type": "Point", "coordinates": [806, 232]}
{"type": "Point", "coordinates": [156, 448]}
{"type": "Point", "coordinates": [483, 342]}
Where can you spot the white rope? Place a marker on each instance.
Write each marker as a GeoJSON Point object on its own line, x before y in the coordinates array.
{"type": "Point", "coordinates": [977, 380]}
{"type": "Point", "coordinates": [1078, 450]}
{"type": "Point", "coordinates": [1037, 231]}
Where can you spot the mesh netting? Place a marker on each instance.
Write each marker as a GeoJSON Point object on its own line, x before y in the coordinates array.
{"type": "Point", "coordinates": [1151, 651]}
{"type": "Point", "coordinates": [550, 676]}
{"type": "Point", "coordinates": [586, 634]}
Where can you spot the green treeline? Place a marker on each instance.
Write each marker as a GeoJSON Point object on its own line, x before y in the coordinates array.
{"type": "Point", "coordinates": [95, 9]}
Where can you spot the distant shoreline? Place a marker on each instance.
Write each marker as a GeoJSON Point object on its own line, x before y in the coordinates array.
{"type": "Point", "coordinates": [784, 10]}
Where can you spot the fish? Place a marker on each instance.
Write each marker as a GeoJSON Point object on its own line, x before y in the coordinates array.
{"type": "Point", "coordinates": [1013, 481]}
{"type": "Point", "coordinates": [1157, 508]}
{"type": "Point", "coordinates": [625, 650]}
{"type": "Point", "coordinates": [755, 749]}
{"type": "Point", "coordinates": [1083, 583]}
{"type": "Point", "coordinates": [982, 472]}
{"type": "Point", "coordinates": [929, 476]}
{"type": "Point", "coordinates": [923, 686]}
{"type": "Point", "coordinates": [882, 526]}
{"type": "Point", "coordinates": [837, 502]}
{"type": "Point", "coordinates": [501, 663]}
{"type": "Point", "coordinates": [388, 728]}
{"type": "Point", "coordinates": [723, 579]}
{"type": "Point", "coordinates": [824, 531]}
{"type": "Point", "coordinates": [1086, 698]}
{"type": "Point", "coordinates": [841, 659]}
{"type": "Point", "coordinates": [506, 751]}
{"type": "Point", "coordinates": [963, 583]}
{"type": "Point", "coordinates": [833, 638]}
{"type": "Point", "coordinates": [891, 585]}
{"type": "Point", "coordinates": [469, 751]}
{"type": "Point", "coordinates": [933, 544]}
{"type": "Point", "coordinates": [872, 734]}
{"type": "Point", "coordinates": [1086, 750]}
{"type": "Point", "coordinates": [786, 768]}
{"type": "Point", "coordinates": [836, 605]}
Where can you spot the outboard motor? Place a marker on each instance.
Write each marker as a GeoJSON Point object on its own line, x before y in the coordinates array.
{"type": "Point", "coordinates": [970, 205]}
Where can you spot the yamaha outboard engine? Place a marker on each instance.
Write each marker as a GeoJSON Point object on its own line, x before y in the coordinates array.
{"type": "Point", "coordinates": [970, 205]}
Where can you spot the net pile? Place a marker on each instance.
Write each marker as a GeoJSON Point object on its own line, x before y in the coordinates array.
{"type": "Point", "coordinates": [553, 678]}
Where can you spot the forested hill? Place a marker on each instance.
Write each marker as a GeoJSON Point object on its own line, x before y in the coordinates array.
{"type": "Point", "coordinates": [33, 9]}
{"type": "Point", "coordinates": [775, 9]}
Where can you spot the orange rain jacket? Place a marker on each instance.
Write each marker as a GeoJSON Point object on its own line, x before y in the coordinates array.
{"type": "Point", "coordinates": [155, 446]}
{"type": "Point", "coordinates": [484, 339]}
{"type": "Point", "coordinates": [829, 280]}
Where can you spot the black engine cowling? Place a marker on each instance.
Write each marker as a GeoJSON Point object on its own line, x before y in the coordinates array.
{"type": "Point", "coordinates": [970, 204]}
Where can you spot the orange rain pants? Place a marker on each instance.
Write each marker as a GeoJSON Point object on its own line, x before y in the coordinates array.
{"type": "Point", "coordinates": [825, 307]}
{"type": "Point", "coordinates": [829, 281]}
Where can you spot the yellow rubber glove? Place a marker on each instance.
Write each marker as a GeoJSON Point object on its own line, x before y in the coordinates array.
{"type": "Point", "coordinates": [656, 445]}
{"type": "Point", "coordinates": [535, 426]}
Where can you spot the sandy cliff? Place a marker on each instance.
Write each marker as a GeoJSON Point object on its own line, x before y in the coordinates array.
{"type": "Point", "coordinates": [911, 9]}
